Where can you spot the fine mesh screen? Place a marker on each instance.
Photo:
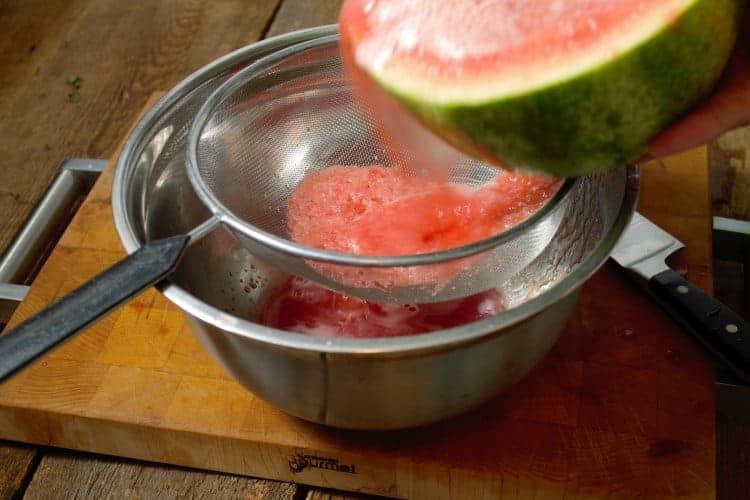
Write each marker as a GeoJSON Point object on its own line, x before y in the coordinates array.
{"type": "Point", "coordinates": [297, 115]}
{"type": "Point", "coordinates": [267, 126]}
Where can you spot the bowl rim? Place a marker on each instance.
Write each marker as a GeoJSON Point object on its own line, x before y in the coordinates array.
{"type": "Point", "coordinates": [127, 160]}
{"type": "Point", "coordinates": [288, 247]}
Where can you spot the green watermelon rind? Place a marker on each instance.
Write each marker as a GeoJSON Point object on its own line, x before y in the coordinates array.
{"type": "Point", "coordinates": [599, 118]}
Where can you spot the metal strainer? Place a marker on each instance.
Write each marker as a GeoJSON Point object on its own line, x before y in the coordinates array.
{"type": "Point", "coordinates": [250, 144]}
{"type": "Point", "coordinates": [266, 127]}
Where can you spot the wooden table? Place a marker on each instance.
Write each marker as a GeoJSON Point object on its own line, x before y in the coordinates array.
{"type": "Point", "coordinates": [123, 51]}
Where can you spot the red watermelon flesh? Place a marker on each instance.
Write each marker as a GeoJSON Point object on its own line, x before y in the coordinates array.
{"type": "Point", "coordinates": [502, 39]}
{"type": "Point", "coordinates": [563, 87]}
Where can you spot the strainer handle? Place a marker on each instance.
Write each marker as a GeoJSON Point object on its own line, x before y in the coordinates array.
{"type": "Point", "coordinates": [86, 304]}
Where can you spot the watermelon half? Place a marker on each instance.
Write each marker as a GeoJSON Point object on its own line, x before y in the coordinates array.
{"type": "Point", "coordinates": [564, 87]}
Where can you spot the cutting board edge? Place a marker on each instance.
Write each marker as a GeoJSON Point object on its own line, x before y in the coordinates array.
{"type": "Point", "coordinates": [378, 476]}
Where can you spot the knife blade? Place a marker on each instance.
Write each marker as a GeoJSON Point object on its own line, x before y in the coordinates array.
{"type": "Point", "coordinates": [642, 250]}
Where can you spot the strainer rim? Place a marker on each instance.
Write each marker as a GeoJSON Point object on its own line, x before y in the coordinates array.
{"type": "Point", "coordinates": [291, 248]}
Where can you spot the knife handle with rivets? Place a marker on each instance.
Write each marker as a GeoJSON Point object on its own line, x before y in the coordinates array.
{"type": "Point", "coordinates": [716, 326]}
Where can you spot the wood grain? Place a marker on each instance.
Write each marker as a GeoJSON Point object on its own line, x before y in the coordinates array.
{"type": "Point", "coordinates": [675, 195]}
{"type": "Point", "coordinates": [321, 494]}
{"type": "Point", "coordinates": [17, 462]}
{"type": "Point", "coordinates": [298, 14]}
{"type": "Point", "coordinates": [58, 476]}
{"type": "Point", "coordinates": [32, 32]}
{"type": "Point", "coordinates": [730, 174]}
{"type": "Point", "coordinates": [123, 51]}
{"type": "Point", "coordinates": [733, 447]}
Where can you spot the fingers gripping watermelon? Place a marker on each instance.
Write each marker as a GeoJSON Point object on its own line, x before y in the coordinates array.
{"type": "Point", "coordinates": [564, 87]}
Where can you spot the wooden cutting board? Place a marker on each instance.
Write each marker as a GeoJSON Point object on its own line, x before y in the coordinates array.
{"type": "Point", "coordinates": [622, 407]}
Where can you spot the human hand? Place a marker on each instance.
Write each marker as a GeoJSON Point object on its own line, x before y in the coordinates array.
{"type": "Point", "coordinates": [726, 109]}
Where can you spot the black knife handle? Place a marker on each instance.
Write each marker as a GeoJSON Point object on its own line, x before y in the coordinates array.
{"type": "Point", "coordinates": [716, 326]}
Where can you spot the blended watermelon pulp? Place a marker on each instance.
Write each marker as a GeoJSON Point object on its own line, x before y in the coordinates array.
{"type": "Point", "coordinates": [377, 210]}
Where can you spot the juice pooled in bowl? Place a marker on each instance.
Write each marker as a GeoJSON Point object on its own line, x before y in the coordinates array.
{"type": "Point", "coordinates": [298, 305]}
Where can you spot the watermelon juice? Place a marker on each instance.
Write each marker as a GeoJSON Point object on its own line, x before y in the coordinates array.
{"type": "Point", "coordinates": [298, 305]}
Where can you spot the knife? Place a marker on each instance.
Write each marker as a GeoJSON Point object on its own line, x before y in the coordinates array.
{"type": "Point", "coordinates": [643, 249]}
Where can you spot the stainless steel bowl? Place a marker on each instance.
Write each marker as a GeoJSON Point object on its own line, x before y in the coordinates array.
{"type": "Point", "coordinates": [364, 383]}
